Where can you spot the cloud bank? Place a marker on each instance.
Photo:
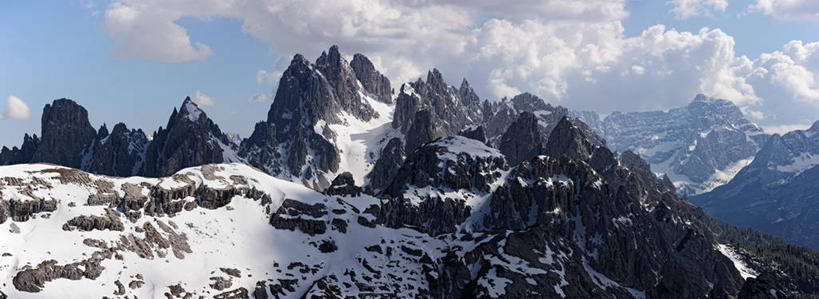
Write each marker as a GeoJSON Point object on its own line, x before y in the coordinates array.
{"type": "Point", "coordinates": [573, 53]}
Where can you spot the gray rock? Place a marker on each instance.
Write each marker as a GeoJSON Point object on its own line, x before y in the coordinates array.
{"type": "Point", "coordinates": [522, 140]}
{"type": "Point", "coordinates": [387, 165]}
{"type": "Point", "coordinates": [66, 133]}
{"type": "Point", "coordinates": [189, 139]}
{"type": "Point", "coordinates": [288, 217]}
{"type": "Point", "coordinates": [343, 184]}
{"type": "Point", "coordinates": [120, 153]}
{"type": "Point", "coordinates": [88, 223]}
{"type": "Point", "coordinates": [425, 128]}
{"type": "Point", "coordinates": [373, 81]}
{"type": "Point", "coordinates": [20, 155]}
{"type": "Point", "coordinates": [475, 132]}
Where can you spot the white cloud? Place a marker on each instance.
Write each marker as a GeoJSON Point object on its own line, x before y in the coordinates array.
{"type": "Point", "coordinates": [16, 108]}
{"type": "Point", "coordinates": [261, 98]}
{"type": "Point", "coordinates": [573, 53]}
{"type": "Point", "coordinates": [202, 99]}
{"type": "Point", "coordinates": [144, 29]}
{"type": "Point", "coordinates": [684, 9]}
{"type": "Point", "coordinates": [782, 129]}
{"type": "Point", "coordinates": [268, 77]}
{"type": "Point", "coordinates": [788, 9]}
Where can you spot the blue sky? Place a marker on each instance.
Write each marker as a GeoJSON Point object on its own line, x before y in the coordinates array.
{"type": "Point", "coordinates": [54, 49]}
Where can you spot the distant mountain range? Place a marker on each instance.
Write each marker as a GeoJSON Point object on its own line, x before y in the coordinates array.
{"type": "Point", "coordinates": [778, 192]}
{"type": "Point", "coordinates": [699, 146]}
{"type": "Point", "coordinates": [351, 187]}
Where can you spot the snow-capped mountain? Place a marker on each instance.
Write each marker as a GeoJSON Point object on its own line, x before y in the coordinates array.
{"type": "Point", "coordinates": [189, 139]}
{"type": "Point", "coordinates": [456, 221]}
{"type": "Point", "coordinates": [322, 120]}
{"type": "Point", "coordinates": [699, 146]}
{"type": "Point", "coordinates": [351, 188]}
{"type": "Point", "coordinates": [777, 192]}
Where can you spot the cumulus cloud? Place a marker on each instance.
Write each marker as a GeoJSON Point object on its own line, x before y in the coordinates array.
{"type": "Point", "coordinates": [787, 9]}
{"type": "Point", "coordinates": [202, 99]}
{"type": "Point", "coordinates": [16, 108]}
{"type": "Point", "coordinates": [261, 98]}
{"type": "Point", "coordinates": [573, 53]}
{"type": "Point", "coordinates": [684, 9]}
{"type": "Point", "coordinates": [142, 29]}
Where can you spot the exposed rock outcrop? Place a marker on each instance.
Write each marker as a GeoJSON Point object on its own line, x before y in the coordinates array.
{"type": "Point", "coordinates": [522, 140]}
{"type": "Point", "coordinates": [189, 139]}
{"type": "Point", "coordinates": [66, 133]}
{"type": "Point", "coordinates": [387, 165]}
{"type": "Point", "coordinates": [343, 184]}
{"type": "Point", "coordinates": [120, 153]}
{"type": "Point", "coordinates": [23, 154]}
{"type": "Point", "coordinates": [372, 80]}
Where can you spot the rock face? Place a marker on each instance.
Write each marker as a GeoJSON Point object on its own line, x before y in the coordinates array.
{"type": "Point", "coordinates": [699, 146]}
{"type": "Point", "coordinates": [344, 84]}
{"type": "Point", "coordinates": [455, 163]}
{"type": "Point", "coordinates": [775, 192]}
{"type": "Point", "coordinates": [66, 133]}
{"type": "Point", "coordinates": [472, 102]}
{"type": "Point", "coordinates": [474, 132]}
{"type": "Point", "coordinates": [344, 184]}
{"type": "Point", "coordinates": [426, 110]}
{"type": "Point", "coordinates": [189, 139]}
{"type": "Point", "coordinates": [390, 160]}
{"type": "Point", "coordinates": [372, 80]}
{"type": "Point", "coordinates": [296, 140]}
{"type": "Point", "coordinates": [522, 140]}
{"type": "Point", "coordinates": [20, 155]}
{"type": "Point", "coordinates": [120, 153]}
{"type": "Point", "coordinates": [500, 115]}
{"type": "Point", "coordinates": [457, 221]}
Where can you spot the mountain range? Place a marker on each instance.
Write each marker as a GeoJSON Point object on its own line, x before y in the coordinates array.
{"type": "Point", "coordinates": [351, 187]}
{"type": "Point", "coordinates": [778, 192]}
{"type": "Point", "coordinates": [699, 146]}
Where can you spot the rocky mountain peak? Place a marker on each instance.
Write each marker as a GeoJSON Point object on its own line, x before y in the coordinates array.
{"type": "Point", "coordinates": [814, 128]}
{"type": "Point", "coordinates": [702, 98]}
{"type": "Point", "coordinates": [120, 153]}
{"type": "Point", "coordinates": [66, 132]}
{"type": "Point", "coordinates": [345, 85]}
{"type": "Point", "coordinates": [529, 102]}
{"type": "Point", "coordinates": [436, 81]}
{"type": "Point", "coordinates": [522, 140]}
{"type": "Point", "coordinates": [373, 81]}
{"type": "Point", "coordinates": [102, 132]}
{"type": "Point", "coordinates": [454, 162]}
{"type": "Point", "coordinates": [568, 140]}
{"type": "Point", "coordinates": [699, 146]}
{"type": "Point", "coordinates": [20, 155]}
{"type": "Point", "coordinates": [190, 110]}
{"type": "Point", "coordinates": [190, 139]}
{"type": "Point", "coordinates": [472, 102]}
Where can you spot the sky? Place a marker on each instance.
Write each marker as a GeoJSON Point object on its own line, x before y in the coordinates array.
{"type": "Point", "coordinates": [132, 61]}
